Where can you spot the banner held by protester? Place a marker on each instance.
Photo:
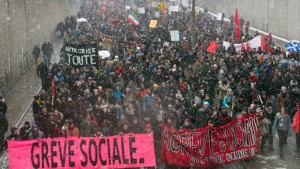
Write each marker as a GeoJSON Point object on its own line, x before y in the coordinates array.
{"type": "Point", "coordinates": [82, 55]}
{"type": "Point", "coordinates": [90, 152]}
{"type": "Point", "coordinates": [211, 146]}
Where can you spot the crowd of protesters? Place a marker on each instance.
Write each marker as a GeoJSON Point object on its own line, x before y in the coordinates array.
{"type": "Point", "coordinates": [148, 79]}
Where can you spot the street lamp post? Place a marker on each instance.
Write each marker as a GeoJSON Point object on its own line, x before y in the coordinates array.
{"type": "Point", "coordinates": [193, 24]}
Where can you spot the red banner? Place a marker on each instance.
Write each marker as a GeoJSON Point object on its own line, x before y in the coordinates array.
{"type": "Point", "coordinates": [84, 152]}
{"type": "Point", "coordinates": [212, 47]}
{"type": "Point", "coordinates": [211, 146]}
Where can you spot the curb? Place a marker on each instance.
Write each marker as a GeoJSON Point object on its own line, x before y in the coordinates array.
{"type": "Point", "coordinates": [18, 123]}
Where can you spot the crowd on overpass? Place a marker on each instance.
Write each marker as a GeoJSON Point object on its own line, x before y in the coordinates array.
{"type": "Point", "coordinates": [149, 80]}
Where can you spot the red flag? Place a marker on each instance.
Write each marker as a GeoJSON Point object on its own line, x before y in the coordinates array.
{"type": "Point", "coordinates": [237, 25]}
{"type": "Point", "coordinates": [270, 49]}
{"type": "Point", "coordinates": [270, 43]}
{"type": "Point", "coordinates": [53, 89]}
{"type": "Point", "coordinates": [295, 125]}
{"type": "Point", "coordinates": [247, 47]}
{"type": "Point", "coordinates": [212, 47]}
{"type": "Point", "coordinates": [263, 42]}
{"type": "Point", "coordinates": [95, 120]}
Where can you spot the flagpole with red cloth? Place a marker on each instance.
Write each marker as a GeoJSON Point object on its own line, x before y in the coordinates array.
{"type": "Point", "coordinates": [237, 25]}
{"type": "Point", "coordinates": [270, 41]}
{"type": "Point", "coordinates": [247, 47]}
{"type": "Point", "coordinates": [296, 121]}
{"type": "Point", "coordinates": [263, 42]}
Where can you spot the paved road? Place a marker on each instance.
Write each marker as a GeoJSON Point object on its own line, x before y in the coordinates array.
{"type": "Point", "coordinates": [20, 97]}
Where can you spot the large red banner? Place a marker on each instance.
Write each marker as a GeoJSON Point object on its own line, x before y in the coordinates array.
{"type": "Point", "coordinates": [84, 152]}
{"type": "Point", "coordinates": [211, 146]}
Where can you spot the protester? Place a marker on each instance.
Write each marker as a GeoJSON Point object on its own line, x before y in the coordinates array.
{"type": "Point", "coordinates": [35, 133]}
{"type": "Point", "coordinates": [282, 125]}
{"type": "Point", "coordinates": [264, 131]}
{"type": "Point", "coordinates": [24, 131]}
{"type": "Point", "coordinates": [148, 79]}
{"type": "Point", "coordinates": [14, 135]}
{"type": "Point", "coordinates": [282, 98]}
{"type": "Point", "coordinates": [3, 129]}
{"type": "Point", "coordinates": [72, 130]}
{"type": "Point", "coordinates": [269, 114]}
{"type": "Point", "coordinates": [3, 106]}
{"type": "Point", "coordinates": [36, 54]}
{"type": "Point", "coordinates": [87, 127]}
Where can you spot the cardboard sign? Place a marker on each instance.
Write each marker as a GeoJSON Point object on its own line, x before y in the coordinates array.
{"type": "Point", "coordinates": [84, 152]}
{"type": "Point", "coordinates": [153, 24]}
{"type": "Point", "coordinates": [174, 35]}
{"type": "Point", "coordinates": [174, 8]}
{"type": "Point", "coordinates": [141, 10]}
{"type": "Point", "coordinates": [212, 146]}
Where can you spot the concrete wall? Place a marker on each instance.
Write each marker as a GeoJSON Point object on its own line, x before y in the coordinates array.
{"type": "Point", "coordinates": [23, 24]}
{"type": "Point", "coordinates": [279, 17]}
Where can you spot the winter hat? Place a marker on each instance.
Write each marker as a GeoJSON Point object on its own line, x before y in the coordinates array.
{"type": "Point", "coordinates": [12, 129]}
{"type": "Point", "coordinates": [27, 123]}
{"type": "Point", "coordinates": [205, 103]}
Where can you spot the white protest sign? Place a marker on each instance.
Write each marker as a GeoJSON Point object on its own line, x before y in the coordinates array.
{"type": "Point", "coordinates": [157, 14]}
{"type": "Point", "coordinates": [174, 35]}
{"type": "Point", "coordinates": [103, 53]}
{"type": "Point", "coordinates": [185, 3]}
{"type": "Point", "coordinates": [127, 7]}
{"type": "Point", "coordinates": [255, 42]}
{"type": "Point", "coordinates": [197, 10]}
{"type": "Point", "coordinates": [141, 10]}
{"type": "Point", "coordinates": [226, 44]}
{"type": "Point", "coordinates": [154, 4]}
{"type": "Point", "coordinates": [174, 8]}
{"type": "Point", "coordinates": [219, 17]}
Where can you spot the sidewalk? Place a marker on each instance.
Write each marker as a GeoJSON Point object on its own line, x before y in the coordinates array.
{"type": "Point", "coordinates": [19, 99]}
